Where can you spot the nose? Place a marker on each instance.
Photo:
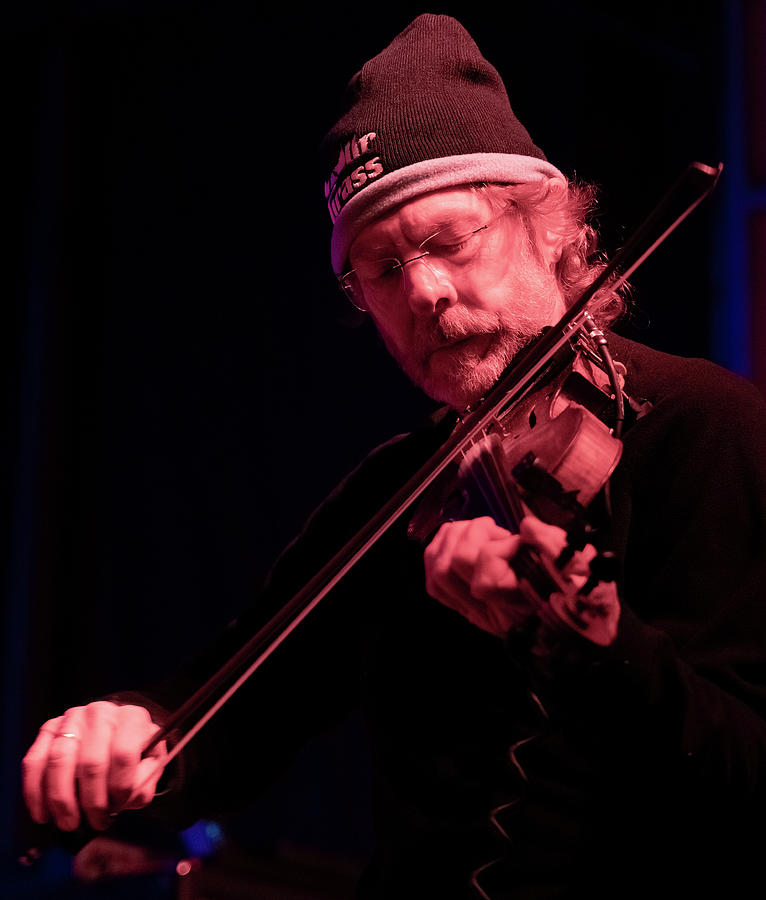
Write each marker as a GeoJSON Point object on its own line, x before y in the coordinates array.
{"type": "Point", "coordinates": [426, 286]}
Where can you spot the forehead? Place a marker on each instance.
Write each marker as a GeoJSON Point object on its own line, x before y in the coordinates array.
{"type": "Point", "coordinates": [419, 218]}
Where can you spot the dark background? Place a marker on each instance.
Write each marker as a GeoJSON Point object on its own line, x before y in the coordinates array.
{"type": "Point", "coordinates": [183, 383]}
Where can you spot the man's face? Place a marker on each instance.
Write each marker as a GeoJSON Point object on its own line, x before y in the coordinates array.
{"type": "Point", "coordinates": [454, 318]}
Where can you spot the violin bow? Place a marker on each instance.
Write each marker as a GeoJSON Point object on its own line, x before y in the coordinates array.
{"type": "Point", "coordinates": [680, 200]}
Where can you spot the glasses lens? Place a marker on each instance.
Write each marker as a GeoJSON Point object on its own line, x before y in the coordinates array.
{"type": "Point", "coordinates": [349, 284]}
{"type": "Point", "coordinates": [455, 245]}
{"type": "Point", "coordinates": [378, 271]}
{"type": "Point", "coordinates": [371, 279]}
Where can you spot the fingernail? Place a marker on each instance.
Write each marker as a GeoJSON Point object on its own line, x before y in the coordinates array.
{"type": "Point", "coordinates": [69, 823]}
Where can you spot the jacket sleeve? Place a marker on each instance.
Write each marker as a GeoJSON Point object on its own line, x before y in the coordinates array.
{"type": "Point", "coordinates": [680, 696]}
{"type": "Point", "coordinates": [309, 683]}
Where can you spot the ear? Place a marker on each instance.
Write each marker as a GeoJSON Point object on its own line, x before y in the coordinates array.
{"type": "Point", "coordinates": [551, 223]}
{"type": "Point", "coordinates": [550, 245]}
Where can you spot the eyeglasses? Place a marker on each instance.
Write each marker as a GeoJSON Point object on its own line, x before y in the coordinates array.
{"type": "Point", "coordinates": [377, 281]}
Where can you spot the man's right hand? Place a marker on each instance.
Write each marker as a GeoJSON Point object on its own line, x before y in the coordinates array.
{"type": "Point", "coordinates": [88, 761]}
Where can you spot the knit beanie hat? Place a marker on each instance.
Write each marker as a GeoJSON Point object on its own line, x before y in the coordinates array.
{"type": "Point", "coordinates": [428, 112]}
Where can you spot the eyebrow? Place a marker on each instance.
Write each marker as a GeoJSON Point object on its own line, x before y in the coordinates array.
{"type": "Point", "coordinates": [374, 251]}
{"type": "Point", "coordinates": [385, 249]}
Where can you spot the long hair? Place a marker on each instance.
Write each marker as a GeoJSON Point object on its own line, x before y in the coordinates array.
{"type": "Point", "coordinates": [563, 209]}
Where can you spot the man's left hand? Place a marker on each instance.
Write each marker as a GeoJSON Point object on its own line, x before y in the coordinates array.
{"type": "Point", "coordinates": [469, 568]}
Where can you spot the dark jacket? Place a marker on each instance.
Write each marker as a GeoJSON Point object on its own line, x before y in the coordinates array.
{"type": "Point", "coordinates": [596, 772]}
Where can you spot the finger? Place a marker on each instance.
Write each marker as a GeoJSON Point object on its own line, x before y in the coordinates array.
{"type": "Point", "coordinates": [477, 613]}
{"type": "Point", "coordinates": [549, 538]}
{"type": "Point", "coordinates": [446, 585]}
{"type": "Point", "coordinates": [579, 564]}
{"type": "Point", "coordinates": [93, 763]}
{"type": "Point", "coordinates": [496, 622]}
{"type": "Point", "coordinates": [456, 536]}
{"type": "Point", "coordinates": [148, 775]}
{"type": "Point", "coordinates": [484, 526]}
{"type": "Point", "coordinates": [595, 617]}
{"type": "Point", "coordinates": [449, 540]}
{"type": "Point", "coordinates": [476, 555]}
{"type": "Point", "coordinates": [454, 592]}
{"type": "Point", "coordinates": [33, 768]}
{"type": "Point", "coordinates": [503, 611]}
{"type": "Point", "coordinates": [451, 562]}
{"type": "Point", "coordinates": [464, 544]}
{"type": "Point", "coordinates": [133, 730]}
{"type": "Point", "coordinates": [492, 578]}
{"type": "Point", "coordinates": [59, 775]}
{"type": "Point", "coordinates": [509, 617]}
{"type": "Point", "coordinates": [498, 585]}
{"type": "Point", "coordinates": [442, 581]}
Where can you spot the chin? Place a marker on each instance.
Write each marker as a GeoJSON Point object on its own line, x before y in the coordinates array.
{"type": "Point", "coordinates": [464, 382]}
{"type": "Point", "coordinates": [462, 377]}
{"type": "Point", "coordinates": [458, 396]}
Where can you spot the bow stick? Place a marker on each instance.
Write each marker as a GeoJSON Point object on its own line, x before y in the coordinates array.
{"type": "Point", "coordinates": [687, 192]}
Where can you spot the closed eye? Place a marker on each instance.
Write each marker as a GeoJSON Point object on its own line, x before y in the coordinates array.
{"type": "Point", "coordinates": [444, 244]}
{"type": "Point", "coordinates": [379, 269]}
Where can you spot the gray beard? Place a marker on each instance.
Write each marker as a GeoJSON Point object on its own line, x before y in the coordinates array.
{"type": "Point", "coordinates": [462, 375]}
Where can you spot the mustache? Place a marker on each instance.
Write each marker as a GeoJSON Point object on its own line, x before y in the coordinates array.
{"type": "Point", "coordinates": [453, 326]}
{"type": "Point", "coordinates": [458, 324]}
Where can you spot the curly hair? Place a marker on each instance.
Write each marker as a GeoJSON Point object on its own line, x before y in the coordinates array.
{"type": "Point", "coordinates": [562, 210]}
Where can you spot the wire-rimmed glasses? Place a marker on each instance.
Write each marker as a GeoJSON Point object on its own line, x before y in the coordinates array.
{"type": "Point", "coordinates": [376, 281]}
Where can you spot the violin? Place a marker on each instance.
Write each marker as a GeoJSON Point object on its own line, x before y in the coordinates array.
{"type": "Point", "coordinates": [550, 456]}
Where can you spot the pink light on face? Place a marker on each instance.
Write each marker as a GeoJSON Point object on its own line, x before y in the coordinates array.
{"type": "Point", "coordinates": [453, 327]}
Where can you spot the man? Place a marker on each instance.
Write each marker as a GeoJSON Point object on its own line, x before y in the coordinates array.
{"type": "Point", "coordinates": [597, 748]}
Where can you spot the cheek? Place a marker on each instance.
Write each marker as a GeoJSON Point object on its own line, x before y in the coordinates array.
{"type": "Point", "coordinates": [496, 284]}
{"type": "Point", "coordinates": [396, 331]}
{"type": "Point", "coordinates": [529, 290]}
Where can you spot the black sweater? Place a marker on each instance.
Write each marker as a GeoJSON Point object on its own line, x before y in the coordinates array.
{"type": "Point", "coordinates": [645, 765]}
